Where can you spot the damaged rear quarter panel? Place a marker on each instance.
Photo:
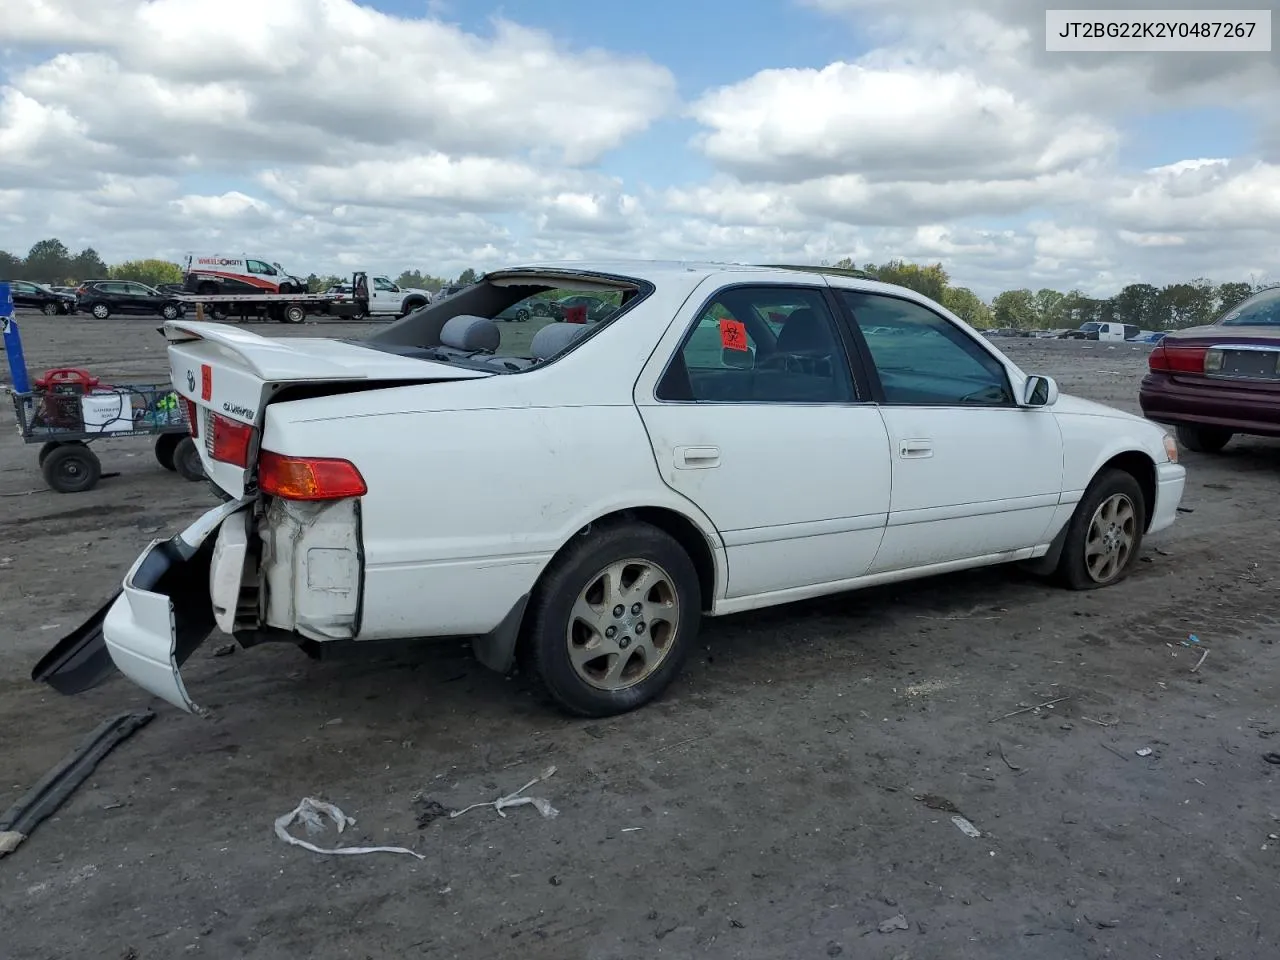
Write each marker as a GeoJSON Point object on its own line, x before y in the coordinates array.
{"type": "Point", "coordinates": [313, 567]}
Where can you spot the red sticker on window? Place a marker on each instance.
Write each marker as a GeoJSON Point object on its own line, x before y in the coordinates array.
{"type": "Point", "coordinates": [733, 334]}
{"type": "Point", "coordinates": [206, 382]}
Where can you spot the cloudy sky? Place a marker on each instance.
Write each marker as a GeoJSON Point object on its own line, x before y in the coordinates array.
{"type": "Point", "coordinates": [439, 134]}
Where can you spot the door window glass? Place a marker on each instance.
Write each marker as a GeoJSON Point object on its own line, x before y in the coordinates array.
{"type": "Point", "coordinates": [923, 358]}
{"type": "Point", "coordinates": [761, 345]}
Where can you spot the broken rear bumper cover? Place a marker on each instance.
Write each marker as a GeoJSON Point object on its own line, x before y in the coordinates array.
{"type": "Point", "coordinates": [152, 625]}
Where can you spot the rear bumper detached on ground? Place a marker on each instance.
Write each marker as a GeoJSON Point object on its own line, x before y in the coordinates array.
{"type": "Point", "coordinates": [163, 612]}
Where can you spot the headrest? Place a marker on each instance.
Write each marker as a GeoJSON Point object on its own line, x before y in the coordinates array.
{"type": "Point", "coordinates": [465, 332]}
{"type": "Point", "coordinates": [555, 337]}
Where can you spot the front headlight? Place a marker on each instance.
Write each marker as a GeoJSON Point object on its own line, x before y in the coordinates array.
{"type": "Point", "coordinates": [1171, 448]}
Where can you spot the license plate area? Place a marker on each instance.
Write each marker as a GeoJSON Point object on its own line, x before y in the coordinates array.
{"type": "Point", "coordinates": [1249, 364]}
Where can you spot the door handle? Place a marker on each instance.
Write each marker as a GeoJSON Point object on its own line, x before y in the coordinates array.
{"type": "Point", "coordinates": [915, 449]}
{"type": "Point", "coordinates": [697, 458]}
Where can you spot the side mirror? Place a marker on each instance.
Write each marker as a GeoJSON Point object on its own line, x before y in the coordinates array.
{"type": "Point", "coordinates": [1039, 392]}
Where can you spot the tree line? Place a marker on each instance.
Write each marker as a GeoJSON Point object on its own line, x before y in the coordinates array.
{"type": "Point", "coordinates": [1141, 304]}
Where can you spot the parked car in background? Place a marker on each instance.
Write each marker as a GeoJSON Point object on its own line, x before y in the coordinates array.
{"type": "Point", "coordinates": [36, 296]}
{"type": "Point", "coordinates": [530, 307]}
{"type": "Point", "coordinates": [102, 298]}
{"type": "Point", "coordinates": [597, 308]}
{"type": "Point", "coordinates": [684, 457]}
{"type": "Point", "coordinates": [1215, 381]}
{"type": "Point", "coordinates": [1107, 330]}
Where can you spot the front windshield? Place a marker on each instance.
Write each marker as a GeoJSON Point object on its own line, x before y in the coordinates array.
{"type": "Point", "coordinates": [1260, 310]}
{"type": "Point", "coordinates": [1090, 326]}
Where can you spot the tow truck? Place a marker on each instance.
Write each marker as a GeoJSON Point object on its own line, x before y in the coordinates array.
{"type": "Point", "coordinates": [295, 307]}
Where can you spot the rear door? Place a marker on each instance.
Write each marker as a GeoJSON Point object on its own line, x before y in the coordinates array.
{"type": "Point", "coordinates": [768, 430]}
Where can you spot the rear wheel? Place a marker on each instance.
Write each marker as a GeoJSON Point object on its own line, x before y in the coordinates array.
{"type": "Point", "coordinates": [294, 313]}
{"type": "Point", "coordinates": [522, 315]}
{"type": "Point", "coordinates": [100, 311]}
{"type": "Point", "coordinates": [1105, 533]}
{"type": "Point", "coordinates": [48, 448]}
{"type": "Point", "coordinates": [71, 468]}
{"type": "Point", "coordinates": [186, 460]}
{"type": "Point", "coordinates": [166, 444]}
{"type": "Point", "coordinates": [207, 289]}
{"type": "Point", "coordinates": [1203, 439]}
{"type": "Point", "coordinates": [170, 311]}
{"type": "Point", "coordinates": [612, 620]}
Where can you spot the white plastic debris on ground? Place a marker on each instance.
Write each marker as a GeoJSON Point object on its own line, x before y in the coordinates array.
{"type": "Point", "coordinates": [516, 800]}
{"type": "Point", "coordinates": [309, 812]}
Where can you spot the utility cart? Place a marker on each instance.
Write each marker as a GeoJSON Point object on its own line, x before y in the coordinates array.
{"type": "Point", "coordinates": [67, 409]}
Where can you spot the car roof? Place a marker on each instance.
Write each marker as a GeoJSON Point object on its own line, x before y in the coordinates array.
{"type": "Point", "coordinates": [657, 271]}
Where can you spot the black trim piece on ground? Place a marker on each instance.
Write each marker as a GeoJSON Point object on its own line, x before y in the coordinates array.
{"type": "Point", "coordinates": [53, 789]}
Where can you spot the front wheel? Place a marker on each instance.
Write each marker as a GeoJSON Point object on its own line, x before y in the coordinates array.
{"type": "Point", "coordinates": [294, 313]}
{"type": "Point", "coordinates": [1105, 533]}
{"type": "Point", "coordinates": [611, 622]}
{"type": "Point", "coordinates": [170, 311]}
{"type": "Point", "coordinates": [166, 446]}
{"type": "Point", "coordinates": [1203, 439]}
{"type": "Point", "coordinates": [186, 460]}
{"type": "Point", "coordinates": [100, 311]}
{"type": "Point", "coordinates": [50, 309]}
{"type": "Point", "coordinates": [71, 468]}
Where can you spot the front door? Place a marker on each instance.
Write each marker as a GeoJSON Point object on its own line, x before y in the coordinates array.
{"type": "Point", "coordinates": [384, 296]}
{"type": "Point", "coordinates": [755, 415]}
{"type": "Point", "coordinates": [974, 474]}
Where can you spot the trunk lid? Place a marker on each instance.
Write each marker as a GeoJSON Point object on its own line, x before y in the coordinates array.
{"type": "Point", "coordinates": [228, 377]}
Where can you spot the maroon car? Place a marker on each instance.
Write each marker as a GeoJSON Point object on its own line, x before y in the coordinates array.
{"type": "Point", "coordinates": [1216, 381]}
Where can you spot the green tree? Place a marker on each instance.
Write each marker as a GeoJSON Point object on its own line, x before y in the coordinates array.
{"type": "Point", "coordinates": [48, 262]}
{"type": "Point", "coordinates": [966, 305]}
{"type": "Point", "coordinates": [1229, 294]}
{"type": "Point", "coordinates": [1015, 308]}
{"type": "Point", "coordinates": [1048, 307]}
{"type": "Point", "coordinates": [467, 276]}
{"type": "Point", "coordinates": [1139, 304]}
{"type": "Point", "coordinates": [87, 265]}
{"type": "Point", "coordinates": [931, 280]}
{"type": "Point", "coordinates": [11, 267]}
{"type": "Point", "coordinates": [151, 272]}
{"type": "Point", "coordinates": [420, 280]}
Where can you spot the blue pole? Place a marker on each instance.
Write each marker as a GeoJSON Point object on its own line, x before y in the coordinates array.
{"type": "Point", "coordinates": [13, 342]}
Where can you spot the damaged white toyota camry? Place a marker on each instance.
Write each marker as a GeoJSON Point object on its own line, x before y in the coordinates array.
{"type": "Point", "coordinates": [727, 438]}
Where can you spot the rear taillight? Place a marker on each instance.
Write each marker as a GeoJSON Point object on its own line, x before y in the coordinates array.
{"type": "Point", "coordinates": [1167, 358]}
{"type": "Point", "coordinates": [229, 440]}
{"type": "Point", "coordinates": [193, 416]}
{"type": "Point", "coordinates": [308, 478]}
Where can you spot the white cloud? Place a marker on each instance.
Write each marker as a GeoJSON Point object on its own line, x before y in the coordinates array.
{"type": "Point", "coordinates": [898, 124]}
{"type": "Point", "coordinates": [343, 137]}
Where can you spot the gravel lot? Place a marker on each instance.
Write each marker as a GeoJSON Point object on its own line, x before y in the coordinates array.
{"type": "Point", "coordinates": [768, 807]}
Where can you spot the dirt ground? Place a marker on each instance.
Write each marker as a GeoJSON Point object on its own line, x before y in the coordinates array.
{"type": "Point", "coordinates": [768, 807]}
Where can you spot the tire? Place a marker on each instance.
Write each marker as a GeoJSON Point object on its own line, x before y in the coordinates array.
{"type": "Point", "coordinates": [287, 288]}
{"type": "Point", "coordinates": [166, 444]}
{"type": "Point", "coordinates": [522, 315]}
{"type": "Point", "coordinates": [50, 309]}
{"type": "Point", "coordinates": [1111, 486]}
{"type": "Point", "coordinates": [170, 311]}
{"type": "Point", "coordinates": [207, 289]}
{"type": "Point", "coordinates": [1203, 439]}
{"type": "Point", "coordinates": [541, 310]}
{"type": "Point", "coordinates": [294, 313]}
{"type": "Point", "coordinates": [71, 468]}
{"type": "Point", "coordinates": [100, 311]}
{"type": "Point", "coordinates": [47, 448]}
{"type": "Point", "coordinates": [550, 633]}
{"type": "Point", "coordinates": [186, 460]}
{"type": "Point", "coordinates": [409, 306]}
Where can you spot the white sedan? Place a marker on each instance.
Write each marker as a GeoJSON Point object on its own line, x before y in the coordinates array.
{"type": "Point", "coordinates": [730, 438]}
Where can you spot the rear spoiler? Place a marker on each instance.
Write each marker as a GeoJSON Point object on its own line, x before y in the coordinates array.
{"type": "Point", "coordinates": [269, 360]}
